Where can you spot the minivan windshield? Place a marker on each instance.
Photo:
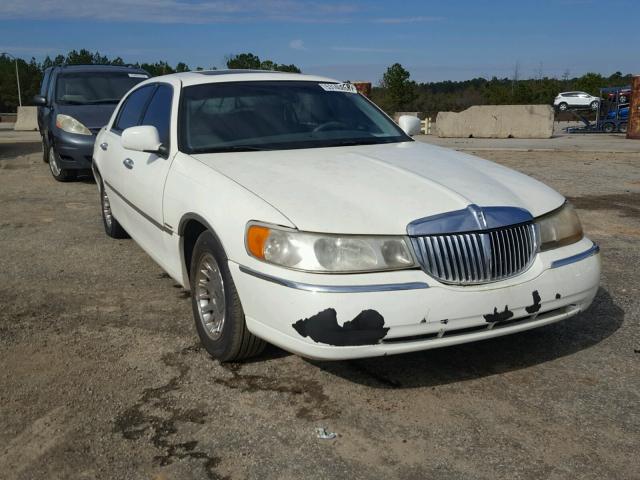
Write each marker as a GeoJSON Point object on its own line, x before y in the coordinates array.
{"type": "Point", "coordinates": [275, 115]}
{"type": "Point", "coordinates": [93, 88]}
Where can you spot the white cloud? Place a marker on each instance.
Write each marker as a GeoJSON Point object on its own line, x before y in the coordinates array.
{"type": "Point", "coordinates": [179, 11]}
{"type": "Point", "coordinates": [297, 44]}
{"type": "Point", "coordinates": [365, 50]}
{"type": "Point", "coordinates": [407, 20]}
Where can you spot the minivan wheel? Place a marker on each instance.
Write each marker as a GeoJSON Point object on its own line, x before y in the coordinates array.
{"type": "Point", "coordinates": [45, 151]}
{"type": "Point", "coordinates": [216, 305]}
{"type": "Point", "coordinates": [111, 226]}
{"type": "Point", "coordinates": [59, 173]}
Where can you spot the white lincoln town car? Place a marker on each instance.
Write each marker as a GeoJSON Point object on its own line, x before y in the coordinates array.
{"type": "Point", "coordinates": [297, 213]}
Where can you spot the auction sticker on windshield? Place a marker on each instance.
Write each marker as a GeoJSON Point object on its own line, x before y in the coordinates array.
{"type": "Point", "coordinates": [339, 87]}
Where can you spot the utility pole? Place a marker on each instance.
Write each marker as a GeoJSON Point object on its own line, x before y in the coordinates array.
{"type": "Point", "coordinates": [17, 75]}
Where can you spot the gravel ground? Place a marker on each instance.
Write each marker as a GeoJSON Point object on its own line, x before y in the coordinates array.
{"type": "Point", "coordinates": [102, 375]}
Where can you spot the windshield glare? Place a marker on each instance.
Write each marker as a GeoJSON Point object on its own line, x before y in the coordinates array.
{"type": "Point", "coordinates": [269, 115]}
{"type": "Point", "coordinates": [95, 87]}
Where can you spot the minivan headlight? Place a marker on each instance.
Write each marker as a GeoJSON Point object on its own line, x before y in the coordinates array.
{"type": "Point", "coordinates": [560, 227]}
{"type": "Point", "coordinates": [327, 253]}
{"type": "Point", "coordinates": [71, 125]}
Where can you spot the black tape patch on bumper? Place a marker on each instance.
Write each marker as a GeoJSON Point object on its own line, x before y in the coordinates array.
{"type": "Point", "coordinates": [536, 303]}
{"type": "Point", "coordinates": [497, 316]}
{"type": "Point", "coordinates": [365, 329]}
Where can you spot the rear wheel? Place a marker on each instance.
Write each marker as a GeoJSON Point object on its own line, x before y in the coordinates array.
{"type": "Point", "coordinates": [623, 99]}
{"type": "Point", "coordinates": [59, 173]}
{"type": "Point", "coordinates": [111, 226]}
{"type": "Point", "coordinates": [608, 127]}
{"type": "Point", "coordinates": [216, 305]}
{"type": "Point", "coordinates": [594, 105]}
{"type": "Point", "coordinates": [622, 128]}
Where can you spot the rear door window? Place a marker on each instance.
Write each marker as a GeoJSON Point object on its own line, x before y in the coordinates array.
{"type": "Point", "coordinates": [131, 110]}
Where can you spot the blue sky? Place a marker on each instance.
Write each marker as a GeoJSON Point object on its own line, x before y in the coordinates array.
{"type": "Point", "coordinates": [355, 40]}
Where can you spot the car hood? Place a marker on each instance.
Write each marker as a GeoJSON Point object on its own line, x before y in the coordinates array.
{"type": "Point", "coordinates": [377, 189]}
{"type": "Point", "coordinates": [91, 116]}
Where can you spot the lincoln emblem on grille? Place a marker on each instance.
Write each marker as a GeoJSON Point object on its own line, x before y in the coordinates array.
{"type": "Point", "coordinates": [475, 245]}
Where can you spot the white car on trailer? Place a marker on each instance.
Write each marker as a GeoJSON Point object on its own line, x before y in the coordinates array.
{"type": "Point", "coordinates": [297, 213]}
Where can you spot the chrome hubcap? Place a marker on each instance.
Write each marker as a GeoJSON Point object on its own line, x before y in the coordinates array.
{"type": "Point", "coordinates": [106, 208]}
{"type": "Point", "coordinates": [210, 296]}
{"type": "Point", "coordinates": [53, 163]}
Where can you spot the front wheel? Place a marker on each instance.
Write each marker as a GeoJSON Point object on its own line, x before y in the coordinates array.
{"type": "Point", "coordinates": [594, 105]}
{"type": "Point", "coordinates": [59, 173]}
{"type": "Point", "coordinates": [216, 305]}
{"type": "Point", "coordinates": [45, 151]}
{"type": "Point", "coordinates": [622, 128]}
{"type": "Point", "coordinates": [563, 107]}
{"type": "Point", "coordinates": [608, 127]}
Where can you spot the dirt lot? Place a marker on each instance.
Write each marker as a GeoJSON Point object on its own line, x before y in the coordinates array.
{"type": "Point", "coordinates": [102, 376]}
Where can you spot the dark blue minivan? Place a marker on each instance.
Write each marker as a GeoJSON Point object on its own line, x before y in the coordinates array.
{"type": "Point", "coordinates": [75, 102]}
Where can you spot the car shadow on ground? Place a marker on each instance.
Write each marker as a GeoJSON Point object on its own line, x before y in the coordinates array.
{"type": "Point", "coordinates": [481, 359]}
{"type": "Point", "coordinates": [11, 151]}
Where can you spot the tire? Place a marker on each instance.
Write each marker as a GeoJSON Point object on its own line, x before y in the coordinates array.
{"type": "Point", "coordinates": [217, 310]}
{"type": "Point", "coordinates": [623, 99]}
{"type": "Point", "coordinates": [622, 128]}
{"type": "Point", "coordinates": [608, 127]}
{"type": "Point", "coordinates": [563, 106]}
{"type": "Point", "coordinates": [594, 105]}
{"type": "Point", "coordinates": [57, 172]}
{"type": "Point", "coordinates": [45, 151]}
{"type": "Point", "coordinates": [112, 227]}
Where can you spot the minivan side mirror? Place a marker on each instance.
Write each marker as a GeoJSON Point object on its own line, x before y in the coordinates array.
{"type": "Point", "coordinates": [409, 124]}
{"type": "Point", "coordinates": [143, 138]}
{"type": "Point", "coordinates": [39, 100]}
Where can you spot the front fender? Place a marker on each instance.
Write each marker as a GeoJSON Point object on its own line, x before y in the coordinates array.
{"type": "Point", "coordinates": [195, 191]}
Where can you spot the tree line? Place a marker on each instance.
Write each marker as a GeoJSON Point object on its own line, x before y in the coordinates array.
{"type": "Point", "coordinates": [31, 71]}
{"type": "Point", "coordinates": [395, 92]}
{"type": "Point", "coordinates": [398, 93]}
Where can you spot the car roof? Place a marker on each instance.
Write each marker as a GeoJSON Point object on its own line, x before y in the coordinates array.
{"type": "Point", "coordinates": [99, 68]}
{"type": "Point", "coordinates": [218, 76]}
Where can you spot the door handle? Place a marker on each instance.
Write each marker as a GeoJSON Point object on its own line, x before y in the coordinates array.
{"type": "Point", "coordinates": [127, 162]}
{"type": "Point", "coordinates": [104, 145]}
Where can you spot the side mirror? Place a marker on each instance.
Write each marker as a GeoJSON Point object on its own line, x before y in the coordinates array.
{"type": "Point", "coordinates": [143, 138]}
{"type": "Point", "coordinates": [39, 100]}
{"type": "Point", "coordinates": [409, 124]}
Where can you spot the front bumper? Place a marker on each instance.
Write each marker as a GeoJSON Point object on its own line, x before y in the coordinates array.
{"type": "Point", "coordinates": [335, 323]}
{"type": "Point", "coordinates": [74, 151]}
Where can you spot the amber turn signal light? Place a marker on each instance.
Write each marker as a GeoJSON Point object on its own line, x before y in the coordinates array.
{"type": "Point", "coordinates": [256, 238]}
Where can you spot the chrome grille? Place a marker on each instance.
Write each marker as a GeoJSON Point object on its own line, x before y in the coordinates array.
{"type": "Point", "coordinates": [477, 257]}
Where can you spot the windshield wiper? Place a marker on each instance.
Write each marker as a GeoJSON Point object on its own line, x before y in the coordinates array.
{"type": "Point", "coordinates": [353, 142]}
{"type": "Point", "coordinates": [106, 100]}
{"type": "Point", "coordinates": [231, 148]}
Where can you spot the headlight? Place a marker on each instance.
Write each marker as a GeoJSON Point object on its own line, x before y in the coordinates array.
{"type": "Point", "coordinates": [71, 125]}
{"type": "Point", "coordinates": [327, 253]}
{"type": "Point", "coordinates": [560, 227]}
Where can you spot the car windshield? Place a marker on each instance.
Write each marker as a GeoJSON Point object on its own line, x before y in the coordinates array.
{"type": "Point", "coordinates": [93, 88]}
{"type": "Point", "coordinates": [275, 115]}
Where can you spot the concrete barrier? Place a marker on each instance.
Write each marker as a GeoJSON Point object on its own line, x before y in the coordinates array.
{"type": "Point", "coordinates": [497, 121]}
{"type": "Point", "coordinates": [27, 119]}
